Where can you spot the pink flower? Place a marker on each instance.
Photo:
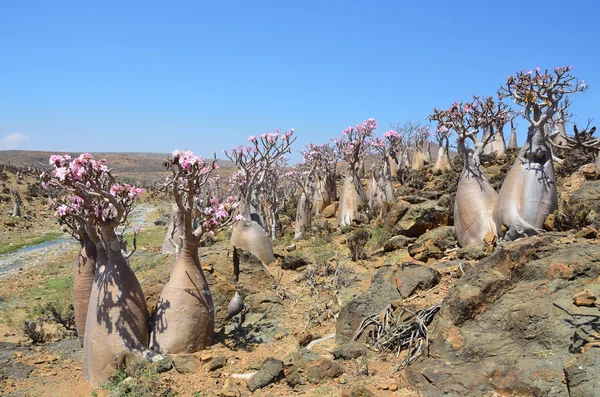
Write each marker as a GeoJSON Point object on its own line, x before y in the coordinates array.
{"type": "Point", "coordinates": [239, 217]}
{"type": "Point", "coordinates": [537, 68]}
{"type": "Point", "coordinates": [252, 138]}
{"type": "Point", "coordinates": [62, 210]}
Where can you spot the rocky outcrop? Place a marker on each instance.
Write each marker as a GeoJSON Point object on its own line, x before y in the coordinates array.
{"type": "Point", "coordinates": [389, 283]}
{"type": "Point", "coordinates": [510, 324]}
{"type": "Point", "coordinates": [588, 194]}
{"type": "Point", "coordinates": [419, 218]}
{"type": "Point", "coordinates": [433, 244]}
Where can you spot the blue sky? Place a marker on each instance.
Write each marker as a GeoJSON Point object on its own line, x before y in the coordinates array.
{"type": "Point", "coordinates": [155, 76]}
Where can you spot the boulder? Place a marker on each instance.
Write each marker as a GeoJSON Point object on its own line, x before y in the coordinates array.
{"type": "Point", "coordinates": [395, 213]}
{"type": "Point", "coordinates": [582, 374]}
{"type": "Point", "coordinates": [186, 364]}
{"type": "Point", "coordinates": [412, 278]}
{"type": "Point", "coordinates": [270, 371]}
{"type": "Point", "coordinates": [389, 284]}
{"type": "Point", "coordinates": [433, 244]}
{"type": "Point", "coordinates": [381, 292]}
{"type": "Point", "coordinates": [396, 243]}
{"type": "Point", "coordinates": [588, 194]}
{"type": "Point", "coordinates": [330, 210]}
{"type": "Point", "coordinates": [217, 362]}
{"type": "Point", "coordinates": [290, 262]}
{"type": "Point", "coordinates": [419, 218]}
{"type": "Point", "coordinates": [324, 370]}
{"type": "Point", "coordinates": [348, 351]}
{"type": "Point", "coordinates": [510, 326]}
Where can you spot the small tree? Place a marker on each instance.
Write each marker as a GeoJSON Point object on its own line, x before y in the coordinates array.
{"type": "Point", "coordinates": [475, 196]}
{"type": "Point", "coordinates": [325, 159]}
{"type": "Point", "coordinates": [528, 194]}
{"type": "Point", "coordinates": [17, 199]}
{"type": "Point", "coordinates": [380, 188]}
{"type": "Point", "coordinates": [117, 318]}
{"type": "Point", "coordinates": [184, 318]}
{"type": "Point", "coordinates": [353, 147]}
{"type": "Point", "coordinates": [254, 162]}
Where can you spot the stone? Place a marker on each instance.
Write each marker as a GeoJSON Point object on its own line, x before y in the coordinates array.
{"type": "Point", "coordinates": [164, 365]}
{"type": "Point", "coordinates": [422, 217]}
{"type": "Point", "coordinates": [509, 323]}
{"type": "Point", "coordinates": [304, 338]}
{"type": "Point", "coordinates": [393, 387]}
{"type": "Point", "coordinates": [582, 375]}
{"type": "Point", "coordinates": [382, 291]}
{"type": "Point", "coordinates": [294, 379]}
{"type": "Point", "coordinates": [348, 351]}
{"type": "Point", "coordinates": [588, 194]}
{"type": "Point", "coordinates": [230, 389]}
{"type": "Point", "coordinates": [186, 364]}
{"type": "Point", "coordinates": [550, 222]}
{"type": "Point", "coordinates": [254, 365]}
{"type": "Point", "coordinates": [395, 213]}
{"type": "Point", "coordinates": [324, 370]}
{"type": "Point", "coordinates": [412, 278]}
{"type": "Point", "coordinates": [396, 243]}
{"type": "Point", "coordinates": [217, 362]}
{"type": "Point", "coordinates": [382, 386]}
{"type": "Point", "coordinates": [584, 298]}
{"type": "Point", "coordinates": [361, 391]}
{"type": "Point", "coordinates": [587, 232]}
{"type": "Point", "coordinates": [330, 210]}
{"type": "Point", "coordinates": [472, 253]}
{"type": "Point", "coordinates": [290, 248]}
{"type": "Point", "coordinates": [433, 244]}
{"type": "Point", "coordinates": [270, 371]}
{"type": "Point", "coordinates": [289, 262]}
{"type": "Point", "coordinates": [588, 171]}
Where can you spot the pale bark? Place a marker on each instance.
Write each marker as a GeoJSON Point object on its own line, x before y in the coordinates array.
{"type": "Point", "coordinates": [497, 144]}
{"type": "Point", "coordinates": [512, 142]}
{"type": "Point", "coordinates": [174, 232]}
{"type": "Point", "coordinates": [83, 281]}
{"type": "Point", "coordinates": [418, 161]}
{"type": "Point", "coordinates": [117, 319]}
{"type": "Point", "coordinates": [251, 237]}
{"type": "Point", "coordinates": [351, 197]}
{"type": "Point", "coordinates": [184, 318]}
{"type": "Point", "coordinates": [528, 194]}
{"type": "Point", "coordinates": [303, 216]}
{"type": "Point", "coordinates": [474, 202]}
{"type": "Point", "coordinates": [442, 163]}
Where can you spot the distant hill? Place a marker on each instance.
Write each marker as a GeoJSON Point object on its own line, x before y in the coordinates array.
{"type": "Point", "coordinates": [141, 168]}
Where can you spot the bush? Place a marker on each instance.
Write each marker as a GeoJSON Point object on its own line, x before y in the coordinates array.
{"type": "Point", "coordinates": [64, 316]}
{"type": "Point", "coordinates": [571, 217]}
{"type": "Point", "coordinates": [139, 378]}
{"type": "Point", "coordinates": [357, 243]}
{"type": "Point", "coordinates": [34, 330]}
{"type": "Point", "coordinates": [573, 159]}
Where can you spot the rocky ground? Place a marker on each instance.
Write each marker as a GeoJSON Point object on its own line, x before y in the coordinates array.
{"type": "Point", "coordinates": [516, 319]}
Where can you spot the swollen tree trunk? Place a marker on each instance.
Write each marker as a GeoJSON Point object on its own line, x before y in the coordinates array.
{"type": "Point", "coordinates": [184, 318]}
{"type": "Point", "coordinates": [376, 194]}
{"type": "Point", "coordinates": [394, 165]}
{"type": "Point", "coordinates": [561, 138]}
{"type": "Point", "coordinates": [427, 154]}
{"type": "Point", "coordinates": [474, 202]}
{"type": "Point", "coordinates": [512, 142]}
{"type": "Point", "coordinates": [117, 319]}
{"type": "Point", "coordinates": [442, 163]}
{"type": "Point", "coordinates": [303, 216]}
{"type": "Point", "coordinates": [17, 207]}
{"type": "Point", "coordinates": [528, 194]}
{"type": "Point", "coordinates": [418, 162]}
{"type": "Point", "coordinates": [251, 237]}
{"type": "Point", "coordinates": [83, 281]}
{"type": "Point", "coordinates": [352, 196]}
{"type": "Point", "coordinates": [497, 144]}
{"type": "Point", "coordinates": [320, 197]}
{"type": "Point", "coordinates": [174, 233]}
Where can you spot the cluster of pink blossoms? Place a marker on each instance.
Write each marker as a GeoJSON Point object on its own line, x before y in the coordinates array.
{"type": "Point", "coordinates": [219, 213]}
{"type": "Point", "coordinates": [189, 162]}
